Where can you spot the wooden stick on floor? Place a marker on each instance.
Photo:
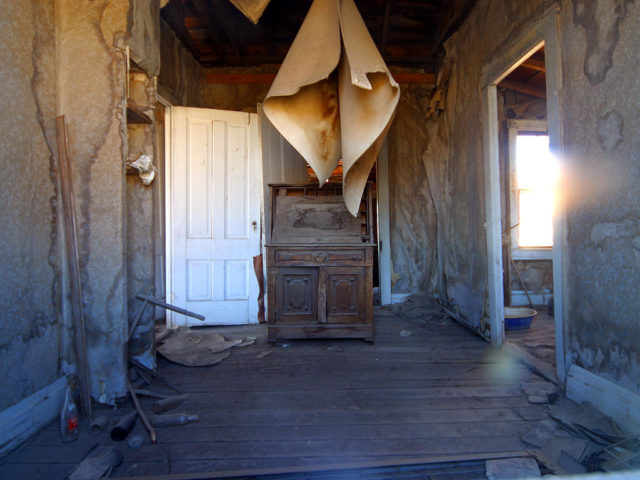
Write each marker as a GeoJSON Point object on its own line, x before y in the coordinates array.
{"type": "Point", "coordinates": [152, 432]}
{"type": "Point", "coordinates": [71, 234]}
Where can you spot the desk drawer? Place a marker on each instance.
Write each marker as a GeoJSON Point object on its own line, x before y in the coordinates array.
{"type": "Point", "coordinates": [318, 257]}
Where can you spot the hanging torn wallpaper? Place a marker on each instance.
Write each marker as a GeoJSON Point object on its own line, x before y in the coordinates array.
{"type": "Point", "coordinates": [333, 97]}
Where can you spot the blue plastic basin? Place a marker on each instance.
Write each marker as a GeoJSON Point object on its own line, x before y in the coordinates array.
{"type": "Point", "coordinates": [518, 318]}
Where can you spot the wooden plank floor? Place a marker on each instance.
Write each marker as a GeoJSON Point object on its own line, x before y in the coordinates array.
{"type": "Point", "coordinates": [439, 391]}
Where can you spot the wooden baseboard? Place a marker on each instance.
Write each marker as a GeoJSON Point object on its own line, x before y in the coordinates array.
{"type": "Point", "coordinates": [399, 297]}
{"type": "Point", "coordinates": [614, 401]}
{"type": "Point", "coordinates": [22, 420]}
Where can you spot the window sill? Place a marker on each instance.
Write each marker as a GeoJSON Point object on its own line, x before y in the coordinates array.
{"type": "Point", "coordinates": [544, 253]}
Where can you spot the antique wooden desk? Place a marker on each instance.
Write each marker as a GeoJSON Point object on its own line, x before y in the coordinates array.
{"type": "Point", "coordinates": [319, 266]}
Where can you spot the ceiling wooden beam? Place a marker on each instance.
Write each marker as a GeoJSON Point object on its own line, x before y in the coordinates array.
{"type": "Point", "coordinates": [202, 7]}
{"type": "Point", "coordinates": [173, 14]}
{"type": "Point", "coordinates": [534, 64]}
{"type": "Point", "coordinates": [385, 25]}
{"type": "Point", "coordinates": [522, 88]}
{"type": "Point", "coordinates": [453, 14]}
{"type": "Point", "coordinates": [226, 8]}
{"type": "Point", "coordinates": [267, 78]}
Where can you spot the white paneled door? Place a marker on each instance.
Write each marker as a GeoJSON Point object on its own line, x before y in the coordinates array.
{"type": "Point", "coordinates": [214, 191]}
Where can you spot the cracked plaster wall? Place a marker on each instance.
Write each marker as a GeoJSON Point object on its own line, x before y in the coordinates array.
{"type": "Point", "coordinates": [91, 80]}
{"type": "Point", "coordinates": [31, 276]}
{"type": "Point", "coordinates": [601, 117]}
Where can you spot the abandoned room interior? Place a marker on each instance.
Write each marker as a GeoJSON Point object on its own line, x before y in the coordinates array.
{"type": "Point", "coordinates": [320, 238]}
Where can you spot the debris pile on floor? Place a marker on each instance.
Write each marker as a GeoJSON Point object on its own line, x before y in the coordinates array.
{"type": "Point", "coordinates": [421, 307]}
{"type": "Point", "coordinates": [577, 438]}
{"type": "Point", "coordinates": [185, 346]}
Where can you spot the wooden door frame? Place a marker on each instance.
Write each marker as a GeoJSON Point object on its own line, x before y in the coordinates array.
{"type": "Point", "coordinates": [168, 174]}
{"type": "Point", "coordinates": [544, 32]}
{"type": "Point", "coordinates": [384, 234]}
{"type": "Point", "coordinates": [255, 184]}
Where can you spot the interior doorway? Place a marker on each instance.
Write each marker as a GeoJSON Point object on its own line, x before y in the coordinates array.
{"type": "Point", "coordinates": [537, 47]}
{"type": "Point", "coordinates": [528, 175]}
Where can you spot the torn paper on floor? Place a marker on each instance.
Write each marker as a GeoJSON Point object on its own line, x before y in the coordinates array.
{"type": "Point", "coordinates": [334, 97]}
{"type": "Point", "coordinates": [199, 348]}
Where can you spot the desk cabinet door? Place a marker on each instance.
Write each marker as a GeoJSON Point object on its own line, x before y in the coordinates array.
{"type": "Point", "coordinates": [296, 295]}
{"type": "Point", "coordinates": [345, 294]}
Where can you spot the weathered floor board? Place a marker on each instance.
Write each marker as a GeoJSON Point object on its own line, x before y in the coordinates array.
{"type": "Point", "coordinates": [439, 391]}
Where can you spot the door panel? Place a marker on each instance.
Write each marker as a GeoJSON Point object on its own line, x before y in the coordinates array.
{"type": "Point", "coordinates": [296, 295]}
{"type": "Point", "coordinates": [214, 196]}
{"type": "Point", "coordinates": [345, 295]}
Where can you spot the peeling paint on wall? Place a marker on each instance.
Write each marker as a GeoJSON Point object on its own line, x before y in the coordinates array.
{"type": "Point", "coordinates": [600, 19]}
{"type": "Point", "coordinates": [91, 80]}
{"type": "Point", "coordinates": [609, 130]}
{"type": "Point", "coordinates": [602, 165]}
{"type": "Point", "coordinates": [30, 283]}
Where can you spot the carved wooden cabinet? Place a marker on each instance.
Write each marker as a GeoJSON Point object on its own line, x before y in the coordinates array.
{"type": "Point", "coordinates": [319, 271]}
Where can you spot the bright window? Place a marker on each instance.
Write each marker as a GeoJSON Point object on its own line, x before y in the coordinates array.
{"type": "Point", "coordinates": [532, 178]}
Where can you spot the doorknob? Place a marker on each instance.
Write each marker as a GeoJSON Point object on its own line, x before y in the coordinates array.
{"type": "Point", "coordinates": [254, 225]}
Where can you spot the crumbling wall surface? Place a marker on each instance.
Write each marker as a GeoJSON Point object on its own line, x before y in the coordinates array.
{"type": "Point", "coordinates": [144, 35]}
{"type": "Point", "coordinates": [180, 73]}
{"type": "Point", "coordinates": [91, 56]}
{"type": "Point", "coordinates": [140, 223]}
{"type": "Point", "coordinates": [412, 216]}
{"type": "Point", "coordinates": [600, 114]}
{"type": "Point", "coordinates": [30, 275]}
{"type": "Point", "coordinates": [453, 158]}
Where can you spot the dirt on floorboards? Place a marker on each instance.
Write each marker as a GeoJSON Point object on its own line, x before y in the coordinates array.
{"type": "Point", "coordinates": [422, 389]}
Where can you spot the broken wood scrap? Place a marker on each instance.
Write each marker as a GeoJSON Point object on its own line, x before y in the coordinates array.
{"type": "Point", "coordinates": [168, 306]}
{"type": "Point", "coordinates": [99, 465]}
{"type": "Point", "coordinates": [540, 392]}
{"type": "Point", "coordinates": [622, 455]}
{"type": "Point", "coordinates": [137, 318]}
{"type": "Point", "coordinates": [143, 417]}
{"type": "Point", "coordinates": [512, 468]}
{"type": "Point", "coordinates": [155, 375]}
{"type": "Point", "coordinates": [140, 374]}
{"type": "Point", "coordinates": [148, 393]}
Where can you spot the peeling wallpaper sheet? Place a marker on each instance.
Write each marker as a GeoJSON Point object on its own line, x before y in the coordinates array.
{"type": "Point", "coordinates": [252, 9]}
{"type": "Point", "coordinates": [334, 97]}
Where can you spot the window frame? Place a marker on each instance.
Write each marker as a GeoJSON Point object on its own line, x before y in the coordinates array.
{"type": "Point", "coordinates": [517, 252]}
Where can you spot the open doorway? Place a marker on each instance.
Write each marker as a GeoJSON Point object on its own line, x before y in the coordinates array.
{"type": "Point", "coordinates": [528, 174]}
{"type": "Point", "coordinates": [537, 47]}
